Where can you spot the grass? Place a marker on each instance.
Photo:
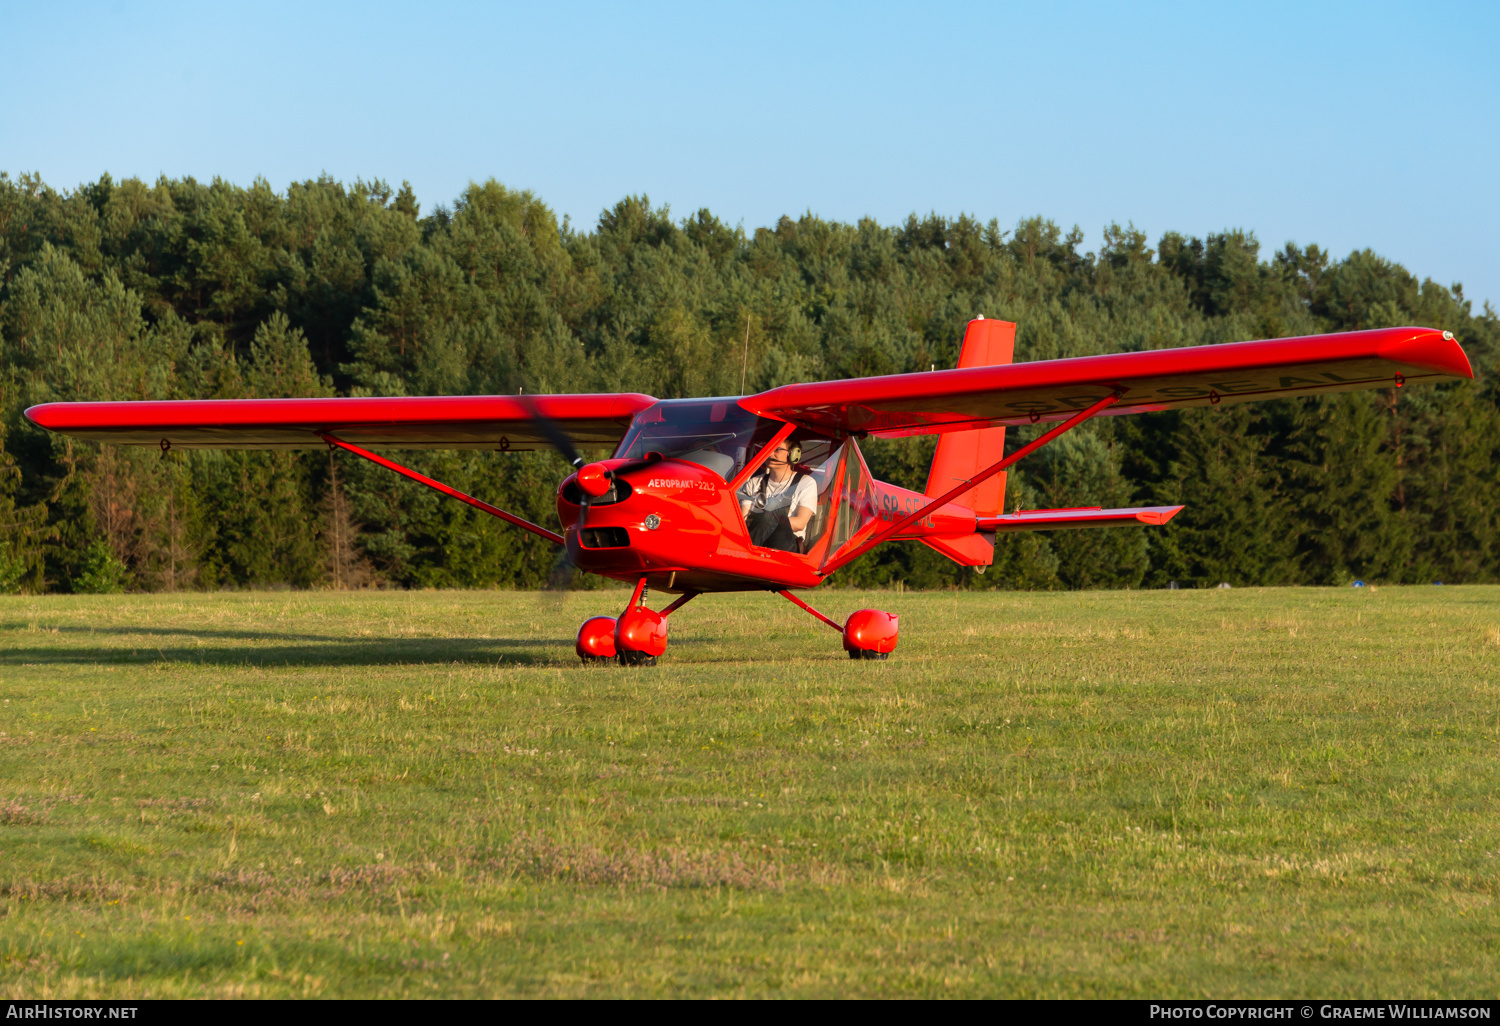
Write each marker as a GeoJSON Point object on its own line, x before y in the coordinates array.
{"type": "Point", "coordinates": [1225, 793]}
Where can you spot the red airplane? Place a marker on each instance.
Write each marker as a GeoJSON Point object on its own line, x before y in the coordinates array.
{"type": "Point", "coordinates": [770, 491]}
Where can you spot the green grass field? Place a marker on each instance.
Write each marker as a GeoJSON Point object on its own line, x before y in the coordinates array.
{"type": "Point", "coordinates": [1223, 793]}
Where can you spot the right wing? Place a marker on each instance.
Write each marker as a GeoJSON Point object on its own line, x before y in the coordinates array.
{"type": "Point", "coordinates": [503, 422]}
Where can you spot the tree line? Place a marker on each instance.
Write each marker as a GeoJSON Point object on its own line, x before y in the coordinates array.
{"type": "Point", "coordinates": [183, 289]}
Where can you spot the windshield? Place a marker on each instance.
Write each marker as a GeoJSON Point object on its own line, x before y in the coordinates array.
{"type": "Point", "coordinates": [715, 433]}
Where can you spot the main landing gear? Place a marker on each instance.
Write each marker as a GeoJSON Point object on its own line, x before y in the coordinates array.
{"type": "Point", "coordinates": [638, 635]}
{"type": "Point", "coordinates": [634, 638]}
{"type": "Point", "coordinates": [868, 633]}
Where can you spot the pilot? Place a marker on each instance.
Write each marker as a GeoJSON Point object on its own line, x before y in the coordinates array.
{"type": "Point", "coordinates": [778, 501]}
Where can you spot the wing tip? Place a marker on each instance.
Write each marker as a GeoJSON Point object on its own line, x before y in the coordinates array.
{"type": "Point", "coordinates": [1160, 515]}
{"type": "Point", "coordinates": [1430, 348]}
{"type": "Point", "coordinates": [43, 415]}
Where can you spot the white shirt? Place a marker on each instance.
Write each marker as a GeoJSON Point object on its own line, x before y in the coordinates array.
{"type": "Point", "coordinates": [779, 495]}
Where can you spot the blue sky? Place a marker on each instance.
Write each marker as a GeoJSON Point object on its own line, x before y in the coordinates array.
{"type": "Point", "coordinates": [1350, 125]}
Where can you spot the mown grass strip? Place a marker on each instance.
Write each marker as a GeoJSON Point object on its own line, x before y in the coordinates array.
{"type": "Point", "coordinates": [1254, 792]}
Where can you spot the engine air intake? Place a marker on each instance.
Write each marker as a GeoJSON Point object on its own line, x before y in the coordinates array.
{"type": "Point", "coordinates": [604, 538]}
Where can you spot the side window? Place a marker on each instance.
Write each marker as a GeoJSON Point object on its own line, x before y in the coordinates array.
{"type": "Point", "coordinates": [822, 465]}
{"type": "Point", "coordinates": [854, 506]}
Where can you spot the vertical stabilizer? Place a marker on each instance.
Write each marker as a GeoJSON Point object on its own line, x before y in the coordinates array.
{"type": "Point", "coordinates": [962, 454]}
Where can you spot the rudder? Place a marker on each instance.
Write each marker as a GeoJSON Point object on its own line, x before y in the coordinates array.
{"type": "Point", "coordinates": [962, 454]}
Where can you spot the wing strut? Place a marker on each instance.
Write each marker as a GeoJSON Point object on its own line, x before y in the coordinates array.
{"type": "Point", "coordinates": [494, 511]}
{"type": "Point", "coordinates": [983, 475]}
{"type": "Point", "coordinates": [754, 463]}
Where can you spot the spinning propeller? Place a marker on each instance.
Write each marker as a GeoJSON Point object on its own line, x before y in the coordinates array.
{"type": "Point", "coordinates": [594, 481]}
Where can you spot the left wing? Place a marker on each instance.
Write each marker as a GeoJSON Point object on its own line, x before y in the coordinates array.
{"type": "Point", "coordinates": [1159, 379]}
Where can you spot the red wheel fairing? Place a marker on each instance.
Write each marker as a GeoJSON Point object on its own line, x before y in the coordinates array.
{"type": "Point", "coordinates": [641, 632]}
{"type": "Point", "coordinates": [871, 634]}
{"type": "Point", "coordinates": [596, 639]}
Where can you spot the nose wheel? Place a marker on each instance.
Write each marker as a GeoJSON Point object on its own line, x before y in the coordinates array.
{"type": "Point", "coordinates": [634, 638]}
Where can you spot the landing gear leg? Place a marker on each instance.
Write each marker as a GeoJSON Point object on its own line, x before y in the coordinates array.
{"type": "Point", "coordinates": [640, 633]}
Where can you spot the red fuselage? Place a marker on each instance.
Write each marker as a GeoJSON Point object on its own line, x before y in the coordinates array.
{"type": "Point", "coordinates": [699, 541]}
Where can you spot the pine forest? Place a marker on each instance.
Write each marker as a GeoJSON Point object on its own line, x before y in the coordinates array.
{"type": "Point", "coordinates": [182, 289]}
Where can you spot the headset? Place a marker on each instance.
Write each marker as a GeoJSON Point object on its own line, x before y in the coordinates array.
{"type": "Point", "coordinates": [793, 457]}
{"type": "Point", "coordinates": [793, 454]}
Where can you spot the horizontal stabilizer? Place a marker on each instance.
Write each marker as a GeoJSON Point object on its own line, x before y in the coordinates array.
{"type": "Point", "coordinates": [1087, 516]}
{"type": "Point", "coordinates": [963, 549]}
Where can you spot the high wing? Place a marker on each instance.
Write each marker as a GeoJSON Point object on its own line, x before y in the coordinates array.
{"type": "Point", "coordinates": [1160, 379]}
{"type": "Point", "coordinates": [893, 405]}
{"type": "Point", "coordinates": [503, 422]}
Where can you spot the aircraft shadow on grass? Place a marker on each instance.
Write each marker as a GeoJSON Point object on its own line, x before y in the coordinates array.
{"type": "Point", "coordinates": [180, 632]}
{"type": "Point", "coordinates": [333, 652]}
{"type": "Point", "coordinates": [319, 651]}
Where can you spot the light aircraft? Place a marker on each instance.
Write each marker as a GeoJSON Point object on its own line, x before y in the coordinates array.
{"type": "Point", "coordinates": [770, 491]}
